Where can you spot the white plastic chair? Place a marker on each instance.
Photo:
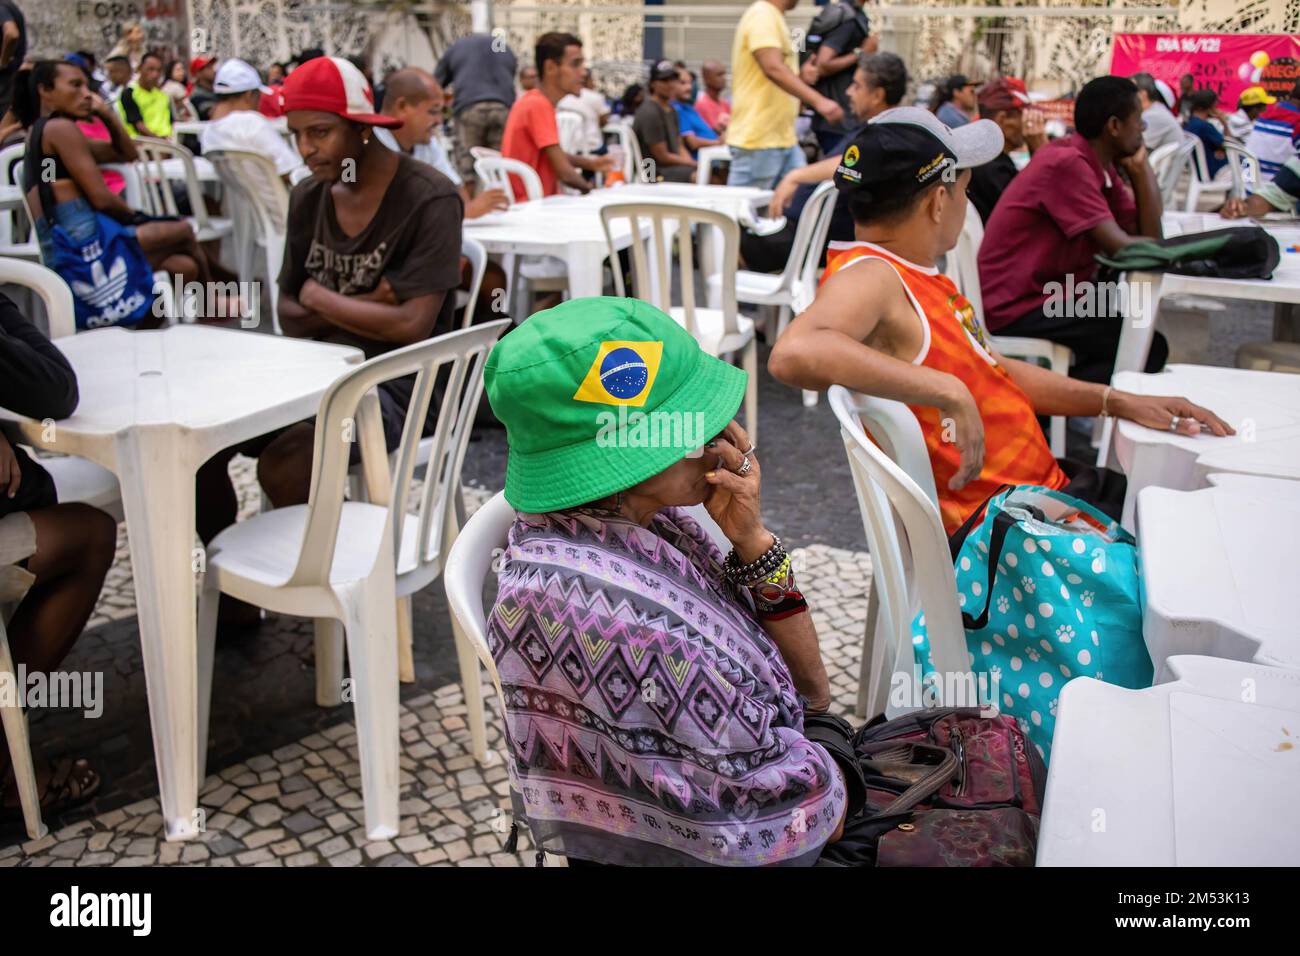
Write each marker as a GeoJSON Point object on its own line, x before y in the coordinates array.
{"type": "Point", "coordinates": [911, 566]}
{"type": "Point", "coordinates": [527, 275]}
{"type": "Point", "coordinates": [721, 331]}
{"type": "Point", "coordinates": [962, 266]}
{"type": "Point", "coordinates": [569, 126]}
{"type": "Point", "coordinates": [706, 159]}
{"type": "Point", "coordinates": [781, 290]}
{"type": "Point", "coordinates": [158, 199]}
{"type": "Point", "coordinates": [11, 164]}
{"type": "Point", "coordinates": [478, 547]}
{"type": "Point", "coordinates": [1168, 163]}
{"type": "Point", "coordinates": [259, 206]}
{"type": "Point", "coordinates": [14, 722]}
{"type": "Point", "coordinates": [76, 479]}
{"type": "Point", "coordinates": [1244, 167]}
{"type": "Point", "coordinates": [1200, 184]}
{"type": "Point", "coordinates": [634, 169]}
{"type": "Point", "coordinates": [349, 561]}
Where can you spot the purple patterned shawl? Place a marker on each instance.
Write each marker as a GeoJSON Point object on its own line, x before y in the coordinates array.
{"type": "Point", "coordinates": [650, 720]}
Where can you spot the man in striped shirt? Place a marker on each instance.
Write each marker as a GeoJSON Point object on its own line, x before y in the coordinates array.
{"type": "Point", "coordinates": [1276, 136]}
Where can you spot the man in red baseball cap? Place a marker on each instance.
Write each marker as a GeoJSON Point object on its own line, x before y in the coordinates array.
{"type": "Point", "coordinates": [1004, 101]}
{"type": "Point", "coordinates": [371, 259]}
{"type": "Point", "coordinates": [203, 70]}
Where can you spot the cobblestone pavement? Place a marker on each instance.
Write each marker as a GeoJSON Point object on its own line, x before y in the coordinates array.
{"type": "Point", "coordinates": [284, 786]}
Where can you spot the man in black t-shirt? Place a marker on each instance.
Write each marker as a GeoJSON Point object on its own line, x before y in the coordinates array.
{"type": "Point", "coordinates": [830, 69]}
{"type": "Point", "coordinates": [372, 259]}
{"type": "Point", "coordinates": [657, 129]}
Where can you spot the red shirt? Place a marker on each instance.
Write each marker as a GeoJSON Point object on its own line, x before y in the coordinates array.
{"type": "Point", "coordinates": [712, 111]}
{"type": "Point", "coordinates": [1038, 231]}
{"type": "Point", "coordinates": [530, 129]}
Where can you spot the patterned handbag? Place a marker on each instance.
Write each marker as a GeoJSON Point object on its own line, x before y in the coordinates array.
{"type": "Point", "coordinates": [1050, 590]}
{"type": "Point", "coordinates": [945, 787]}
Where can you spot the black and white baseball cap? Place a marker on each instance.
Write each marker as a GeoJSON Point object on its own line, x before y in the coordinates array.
{"type": "Point", "coordinates": [905, 149]}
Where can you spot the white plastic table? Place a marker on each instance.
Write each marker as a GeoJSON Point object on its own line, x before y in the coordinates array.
{"type": "Point", "coordinates": [1283, 288]}
{"type": "Point", "coordinates": [569, 227]}
{"type": "Point", "coordinates": [1264, 407]}
{"type": "Point", "coordinates": [1219, 570]}
{"type": "Point", "coordinates": [154, 407]}
{"type": "Point", "coordinates": [1200, 771]}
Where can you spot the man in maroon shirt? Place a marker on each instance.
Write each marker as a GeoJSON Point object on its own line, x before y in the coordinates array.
{"type": "Point", "coordinates": [1092, 192]}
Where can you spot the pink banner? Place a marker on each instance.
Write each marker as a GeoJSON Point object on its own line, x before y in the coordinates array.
{"type": "Point", "coordinates": [1226, 63]}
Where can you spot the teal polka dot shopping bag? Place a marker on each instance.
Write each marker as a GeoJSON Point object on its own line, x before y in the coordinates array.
{"type": "Point", "coordinates": [1050, 589]}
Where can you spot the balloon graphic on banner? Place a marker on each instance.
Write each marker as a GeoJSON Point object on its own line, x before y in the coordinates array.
{"type": "Point", "coordinates": [1259, 59]}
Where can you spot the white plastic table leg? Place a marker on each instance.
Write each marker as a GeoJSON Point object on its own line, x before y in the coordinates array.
{"type": "Point", "coordinates": [158, 499]}
{"type": "Point", "coordinates": [20, 751]}
{"type": "Point", "coordinates": [371, 628]}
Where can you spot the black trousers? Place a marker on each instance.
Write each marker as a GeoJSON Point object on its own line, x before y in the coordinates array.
{"type": "Point", "coordinates": [1094, 342]}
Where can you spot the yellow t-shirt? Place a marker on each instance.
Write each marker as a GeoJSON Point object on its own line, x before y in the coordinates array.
{"type": "Point", "coordinates": [762, 114]}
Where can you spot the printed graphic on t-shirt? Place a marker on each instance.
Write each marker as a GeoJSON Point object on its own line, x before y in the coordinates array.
{"type": "Point", "coordinates": [964, 313]}
{"type": "Point", "coordinates": [347, 274]}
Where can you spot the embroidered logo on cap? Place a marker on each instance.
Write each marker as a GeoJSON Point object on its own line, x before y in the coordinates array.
{"type": "Point", "coordinates": [621, 374]}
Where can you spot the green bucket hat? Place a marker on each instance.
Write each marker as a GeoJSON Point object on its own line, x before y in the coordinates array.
{"type": "Point", "coordinates": [598, 394]}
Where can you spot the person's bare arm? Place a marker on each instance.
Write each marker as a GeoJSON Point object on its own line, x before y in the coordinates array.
{"type": "Point", "coordinates": [1109, 235]}
{"type": "Point", "coordinates": [774, 68]}
{"type": "Point", "coordinates": [120, 148]}
{"type": "Point", "coordinates": [664, 157]}
{"type": "Point", "coordinates": [828, 61]}
{"type": "Point", "coordinates": [826, 345]}
{"type": "Point", "coordinates": [692, 141]}
{"type": "Point", "coordinates": [63, 137]}
{"type": "Point", "coordinates": [1253, 206]}
{"type": "Point", "coordinates": [388, 321]}
{"type": "Point", "coordinates": [565, 171]}
{"type": "Point", "coordinates": [298, 321]}
{"type": "Point", "coordinates": [818, 172]}
{"type": "Point", "coordinates": [9, 43]}
{"type": "Point", "coordinates": [1053, 394]}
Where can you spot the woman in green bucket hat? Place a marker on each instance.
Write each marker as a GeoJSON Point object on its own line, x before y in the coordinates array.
{"type": "Point", "coordinates": [656, 691]}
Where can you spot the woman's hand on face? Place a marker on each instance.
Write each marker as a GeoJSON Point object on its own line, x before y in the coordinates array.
{"type": "Point", "coordinates": [734, 500]}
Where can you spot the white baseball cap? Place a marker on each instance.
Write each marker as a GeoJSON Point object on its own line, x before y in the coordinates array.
{"type": "Point", "coordinates": [236, 76]}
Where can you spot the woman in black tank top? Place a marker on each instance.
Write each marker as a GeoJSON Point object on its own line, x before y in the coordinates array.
{"type": "Point", "coordinates": [61, 162]}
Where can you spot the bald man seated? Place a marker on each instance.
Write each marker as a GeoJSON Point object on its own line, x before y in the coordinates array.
{"type": "Point", "coordinates": [417, 99]}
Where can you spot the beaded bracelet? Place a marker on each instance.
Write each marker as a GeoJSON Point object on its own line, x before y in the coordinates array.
{"type": "Point", "coordinates": [756, 570]}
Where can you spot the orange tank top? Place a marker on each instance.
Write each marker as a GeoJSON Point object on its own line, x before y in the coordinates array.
{"type": "Point", "coordinates": [953, 341]}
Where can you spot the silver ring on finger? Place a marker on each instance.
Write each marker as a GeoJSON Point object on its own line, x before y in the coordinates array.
{"type": "Point", "coordinates": [752, 448]}
{"type": "Point", "coordinates": [746, 466]}
{"type": "Point", "coordinates": [1173, 423]}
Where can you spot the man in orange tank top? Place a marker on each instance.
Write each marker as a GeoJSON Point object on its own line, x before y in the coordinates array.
{"type": "Point", "coordinates": [886, 322]}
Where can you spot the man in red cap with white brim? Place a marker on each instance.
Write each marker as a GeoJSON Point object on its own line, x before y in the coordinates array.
{"type": "Point", "coordinates": [371, 259]}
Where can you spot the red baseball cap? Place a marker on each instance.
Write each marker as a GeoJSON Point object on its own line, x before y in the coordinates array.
{"type": "Point", "coordinates": [331, 84]}
{"type": "Point", "coordinates": [199, 62]}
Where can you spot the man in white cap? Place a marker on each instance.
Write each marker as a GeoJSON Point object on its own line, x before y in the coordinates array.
{"type": "Point", "coordinates": [887, 322]}
{"type": "Point", "coordinates": [237, 124]}
{"type": "Point", "coordinates": [1157, 101]}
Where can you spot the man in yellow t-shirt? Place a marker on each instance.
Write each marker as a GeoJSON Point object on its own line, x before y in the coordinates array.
{"type": "Point", "coordinates": [765, 94]}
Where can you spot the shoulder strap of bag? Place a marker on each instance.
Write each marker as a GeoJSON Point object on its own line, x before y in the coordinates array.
{"type": "Point", "coordinates": [1002, 523]}
{"type": "Point", "coordinates": [36, 154]}
{"type": "Point", "coordinates": [926, 786]}
{"type": "Point", "coordinates": [958, 537]}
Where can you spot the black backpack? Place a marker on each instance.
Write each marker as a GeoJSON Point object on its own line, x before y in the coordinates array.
{"type": "Point", "coordinates": [832, 16]}
{"type": "Point", "coordinates": [1239, 252]}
